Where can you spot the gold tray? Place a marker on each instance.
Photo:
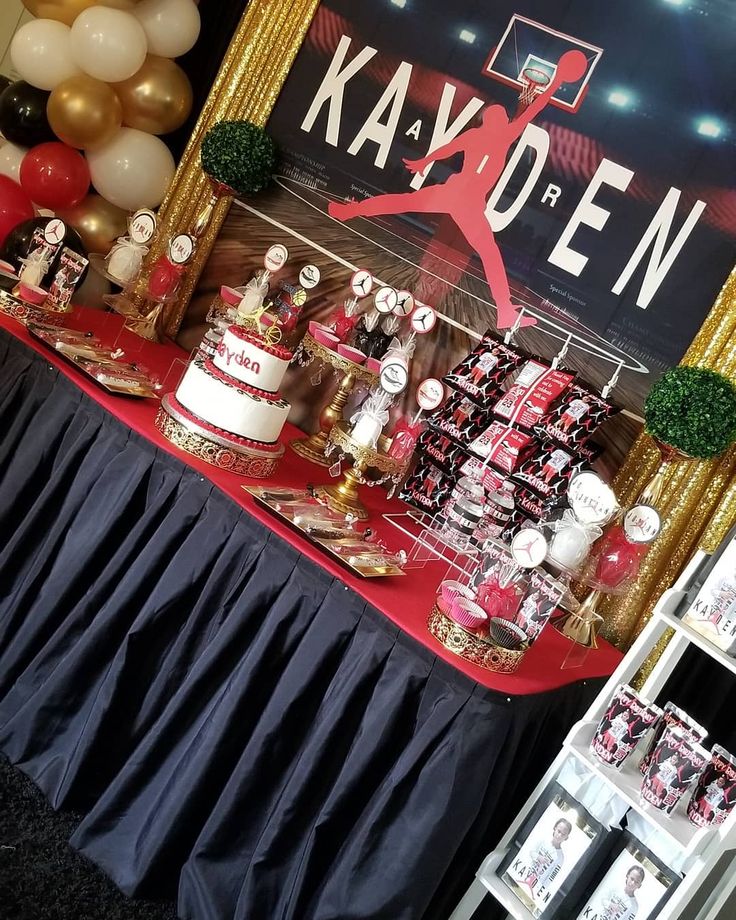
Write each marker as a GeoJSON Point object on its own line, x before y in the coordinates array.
{"type": "Point", "coordinates": [27, 313]}
{"type": "Point", "coordinates": [379, 571]}
{"type": "Point", "coordinates": [82, 362]}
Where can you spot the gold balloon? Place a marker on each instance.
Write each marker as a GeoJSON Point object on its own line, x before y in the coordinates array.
{"type": "Point", "coordinates": [98, 222]}
{"type": "Point", "coordinates": [66, 11]}
{"type": "Point", "coordinates": [157, 99]}
{"type": "Point", "coordinates": [84, 112]}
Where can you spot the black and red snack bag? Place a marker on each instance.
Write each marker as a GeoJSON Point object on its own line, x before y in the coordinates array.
{"type": "Point", "coordinates": [480, 375]}
{"type": "Point", "coordinates": [533, 394]}
{"type": "Point", "coordinates": [460, 418]}
{"type": "Point", "coordinates": [518, 520]}
{"type": "Point", "coordinates": [503, 446]}
{"type": "Point", "coordinates": [590, 451]}
{"type": "Point", "coordinates": [577, 417]}
{"type": "Point", "coordinates": [530, 503]}
{"type": "Point", "coordinates": [549, 470]}
{"type": "Point", "coordinates": [442, 451]}
{"type": "Point", "coordinates": [428, 488]}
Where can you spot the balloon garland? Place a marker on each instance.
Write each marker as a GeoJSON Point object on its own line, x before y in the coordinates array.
{"type": "Point", "coordinates": [98, 87]}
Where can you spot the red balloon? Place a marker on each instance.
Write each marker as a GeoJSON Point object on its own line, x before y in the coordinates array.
{"type": "Point", "coordinates": [15, 206]}
{"type": "Point", "coordinates": [54, 176]}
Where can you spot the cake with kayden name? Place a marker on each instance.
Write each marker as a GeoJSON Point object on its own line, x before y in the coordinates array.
{"type": "Point", "coordinates": [231, 402]}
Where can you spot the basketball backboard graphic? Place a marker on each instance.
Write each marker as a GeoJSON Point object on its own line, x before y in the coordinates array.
{"type": "Point", "coordinates": [528, 46]}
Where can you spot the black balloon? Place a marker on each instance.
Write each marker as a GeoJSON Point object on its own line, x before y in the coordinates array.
{"type": "Point", "coordinates": [23, 118]}
{"type": "Point", "coordinates": [18, 241]}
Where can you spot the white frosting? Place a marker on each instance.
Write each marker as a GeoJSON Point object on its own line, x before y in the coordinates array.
{"type": "Point", "coordinates": [250, 364]}
{"type": "Point", "coordinates": [230, 408]}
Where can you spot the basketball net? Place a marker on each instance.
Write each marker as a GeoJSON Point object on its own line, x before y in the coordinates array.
{"type": "Point", "coordinates": [534, 81]}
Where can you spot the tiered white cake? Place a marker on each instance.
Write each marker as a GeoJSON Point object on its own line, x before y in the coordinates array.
{"type": "Point", "coordinates": [234, 396]}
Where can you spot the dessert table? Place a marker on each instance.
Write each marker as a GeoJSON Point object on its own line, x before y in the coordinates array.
{"type": "Point", "coordinates": [248, 727]}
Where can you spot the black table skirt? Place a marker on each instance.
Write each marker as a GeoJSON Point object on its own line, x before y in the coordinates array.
{"type": "Point", "coordinates": [242, 731]}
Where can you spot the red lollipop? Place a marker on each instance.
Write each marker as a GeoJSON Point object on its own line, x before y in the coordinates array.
{"type": "Point", "coordinates": [55, 176]}
{"type": "Point", "coordinates": [15, 206]}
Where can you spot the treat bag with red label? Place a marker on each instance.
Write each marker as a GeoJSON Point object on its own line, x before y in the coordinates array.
{"type": "Point", "coordinates": [445, 453]}
{"type": "Point", "coordinates": [69, 270]}
{"type": "Point", "coordinates": [460, 418]}
{"type": "Point", "coordinates": [481, 374]}
{"type": "Point", "coordinates": [503, 583]}
{"type": "Point", "coordinates": [674, 767]}
{"type": "Point", "coordinates": [345, 318]}
{"type": "Point", "coordinates": [580, 413]}
{"type": "Point", "coordinates": [714, 795]}
{"type": "Point", "coordinates": [428, 488]}
{"type": "Point", "coordinates": [549, 470]}
{"type": "Point", "coordinates": [404, 439]}
{"type": "Point", "coordinates": [543, 595]}
{"type": "Point", "coordinates": [672, 717]}
{"type": "Point", "coordinates": [628, 717]}
{"type": "Point", "coordinates": [503, 446]}
{"type": "Point", "coordinates": [533, 394]}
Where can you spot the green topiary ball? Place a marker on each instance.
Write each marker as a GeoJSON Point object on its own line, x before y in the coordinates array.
{"type": "Point", "coordinates": [694, 410]}
{"type": "Point", "coordinates": [240, 155]}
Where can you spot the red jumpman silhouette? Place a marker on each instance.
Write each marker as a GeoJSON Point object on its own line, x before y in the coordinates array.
{"type": "Point", "coordinates": [464, 195]}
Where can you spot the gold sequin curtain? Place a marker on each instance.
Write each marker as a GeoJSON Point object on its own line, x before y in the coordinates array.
{"type": "Point", "coordinates": [699, 501]}
{"type": "Point", "coordinates": [247, 86]}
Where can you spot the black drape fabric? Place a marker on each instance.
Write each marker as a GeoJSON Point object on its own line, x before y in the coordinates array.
{"type": "Point", "coordinates": [241, 730]}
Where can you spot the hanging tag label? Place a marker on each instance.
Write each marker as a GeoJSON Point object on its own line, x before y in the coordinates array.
{"type": "Point", "coordinates": [642, 523]}
{"type": "Point", "coordinates": [309, 276]}
{"type": "Point", "coordinates": [181, 249]}
{"type": "Point", "coordinates": [430, 393]}
{"type": "Point", "coordinates": [275, 257]}
{"type": "Point", "coordinates": [142, 226]}
{"type": "Point", "coordinates": [591, 499]}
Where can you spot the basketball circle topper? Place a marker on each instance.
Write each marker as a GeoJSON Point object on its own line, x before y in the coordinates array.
{"type": "Point", "coordinates": [361, 284]}
{"type": "Point", "coordinates": [385, 299]}
{"type": "Point", "coordinates": [55, 231]}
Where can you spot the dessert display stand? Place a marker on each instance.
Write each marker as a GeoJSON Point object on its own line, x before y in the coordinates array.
{"type": "Point", "coordinates": [313, 448]}
{"type": "Point", "coordinates": [701, 849]}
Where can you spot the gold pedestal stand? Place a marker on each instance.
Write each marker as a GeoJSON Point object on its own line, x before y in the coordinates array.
{"type": "Point", "coordinates": [581, 625]}
{"type": "Point", "coordinates": [313, 448]}
{"type": "Point", "coordinates": [343, 497]}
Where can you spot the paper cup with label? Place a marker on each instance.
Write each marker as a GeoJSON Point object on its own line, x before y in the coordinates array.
{"type": "Point", "coordinates": [714, 795]}
{"type": "Point", "coordinates": [675, 765]}
{"type": "Point", "coordinates": [628, 717]}
{"type": "Point", "coordinates": [672, 717]}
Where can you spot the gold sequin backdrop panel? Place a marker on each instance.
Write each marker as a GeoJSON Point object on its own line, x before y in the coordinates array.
{"type": "Point", "coordinates": [699, 502]}
{"type": "Point", "coordinates": [247, 86]}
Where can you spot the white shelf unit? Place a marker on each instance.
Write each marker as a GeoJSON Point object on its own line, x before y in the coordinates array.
{"type": "Point", "coordinates": [702, 848]}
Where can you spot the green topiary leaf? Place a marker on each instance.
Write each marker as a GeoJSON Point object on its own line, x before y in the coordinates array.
{"type": "Point", "coordinates": [240, 155]}
{"type": "Point", "coordinates": [694, 410]}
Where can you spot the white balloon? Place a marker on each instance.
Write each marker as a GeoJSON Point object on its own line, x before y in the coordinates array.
{"type": "Point", "coordinates": [172, 26]}
{"type": "Point", "coordinates": [108, 44]}
{"type": "Point", "coordinates": [11, 156]}
{"type": "Point", "coordinates": [134, 170]}
{"type": "Point", "coordinates": [41, 53]}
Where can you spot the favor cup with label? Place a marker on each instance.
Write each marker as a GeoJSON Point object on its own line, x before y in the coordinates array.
{"type": "Point", "coordinates": [714, 795]}
{"type": "Point", "coordinates": [628, 717]}
{"type": "Point", "coordinates": [675, 765]}
{"type": "Point", "coordinates": [671, 718]}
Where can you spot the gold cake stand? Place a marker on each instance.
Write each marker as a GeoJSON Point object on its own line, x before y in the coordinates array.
{"type": "Point", "coordinates": [313, 448]}
{"type": "Point", "coordinates": [344, 496]}
{"type": "Point", "coordinates": [481, 651]}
